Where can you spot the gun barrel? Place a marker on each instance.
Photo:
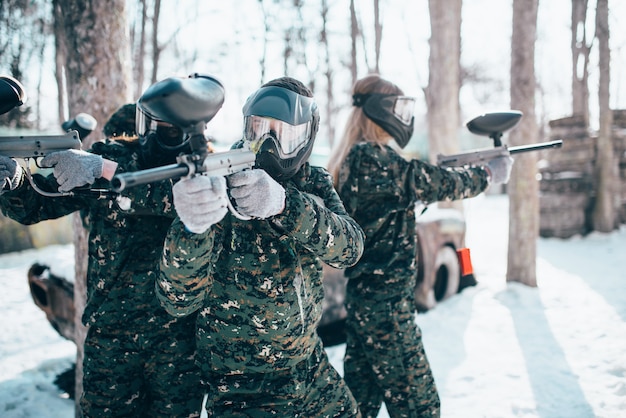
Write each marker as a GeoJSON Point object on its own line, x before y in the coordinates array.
{"type": "Point", "coordinates": [535, 147]}
{"type": "Point", "coordinates": [125, 180]}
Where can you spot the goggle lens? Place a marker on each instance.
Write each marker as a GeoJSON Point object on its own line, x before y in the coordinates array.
{"type": "Point", "coordinates": [404, 108]}
{"type": "Point", "coordinates": [290, 138]}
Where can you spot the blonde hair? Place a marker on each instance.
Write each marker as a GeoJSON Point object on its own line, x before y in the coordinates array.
{"type": "Point", "coordinates": [359, 127]}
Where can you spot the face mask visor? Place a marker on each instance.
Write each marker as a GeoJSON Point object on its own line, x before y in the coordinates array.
{"type": "Point", "coordinates": [289, 139]}
{"type": "Point", "coordinates": [404, 109]}
{"type": "Point", "coordinates": [168, 135]}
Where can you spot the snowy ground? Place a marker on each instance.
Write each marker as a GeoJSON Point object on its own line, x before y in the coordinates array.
{"type": "Point", "coordinates": [496, 350]}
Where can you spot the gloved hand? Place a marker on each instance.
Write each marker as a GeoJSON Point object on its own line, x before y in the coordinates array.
{"type": "Point", "coordinates": [10, 173]}
{"type": "Point", "coordinates": [499, 169]}
{"type": "Point", "coordinates": [200, 202]}
{"type": "Point", "coordinates": [73, 168]}
{"type": "Point", "coordinates": [256, 193]}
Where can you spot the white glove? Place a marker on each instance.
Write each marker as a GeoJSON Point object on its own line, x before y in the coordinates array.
{"type": "Point", "coordinates": [499, 169]}
{"type": "Point", "coordinates": [200, 202]}
{"type": "Point", "coordinates": [256, 193]}
{"type": "Point", "coordinates": [10, 173]}
{"type": "Point", "coordinates": [73, 168]}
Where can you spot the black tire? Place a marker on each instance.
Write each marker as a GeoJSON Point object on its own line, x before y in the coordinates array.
{"type": "Point", "coordinates": [447, 274]}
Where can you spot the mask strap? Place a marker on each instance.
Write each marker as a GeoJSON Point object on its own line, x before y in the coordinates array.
{"type": "Point", "coordinates": [359, 100]}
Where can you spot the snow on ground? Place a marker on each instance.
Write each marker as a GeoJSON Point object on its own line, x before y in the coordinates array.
{"type": "Point", "coordinates": [496, 349]}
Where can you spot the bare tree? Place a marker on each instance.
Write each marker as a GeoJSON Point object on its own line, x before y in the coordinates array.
{"type": "Point", "coordinates": [23, 29]}
{"type": "Point", "coordinates": [580, 60]}
{"type": "Point", "coordinates": [140, 49]}
{"type": "Point", "coordinates": [156, 47]}
{"type": "Point", "coordinates": [378, 35]}
{"type": "Point", "coordinates": [523, 187]}
{"type": "Point", "coordinates": [605, 210]}
{"type": "Point", "coordinates": [444, 68]}
{"type": "Point", "coordinates": [328, 74]}
{"type": "Point", "coordinates": [98, 74]}
{"type": "Point", "coordinates": [444, 75]}
{"type": "Point", "coordinates": [354, 35]}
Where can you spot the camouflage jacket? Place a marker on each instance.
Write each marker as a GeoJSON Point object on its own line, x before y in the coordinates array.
{"type": "Point", "coordinates": [380, 190]}
{"type": "Point", "coordinates": [124, 245]}
{"type": "Point", "coordinates": [258, 283]}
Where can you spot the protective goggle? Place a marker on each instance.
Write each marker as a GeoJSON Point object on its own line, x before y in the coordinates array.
{"type": "Point", "coordinates": [167, 134]}
{"type": "Point", "coordinates": [404, 108]}
{"type": "Point", "coordinates": [289, 138]}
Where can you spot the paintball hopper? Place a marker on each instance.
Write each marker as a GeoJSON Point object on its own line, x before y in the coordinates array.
{"type": "Point", "coordinates": [189, 103]}
{"type": "Point", "coordinates": [83, 123]}
{"type": "Point", "coordinates": [494, 124]}
{"type": "Point", "coordinates": [12, 94]}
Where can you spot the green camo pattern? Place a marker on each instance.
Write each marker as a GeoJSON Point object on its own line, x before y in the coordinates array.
{"type": "Point", "coordinates": [380, 190]}
{"type": "Point", "coordinates": [385, 358]}
{"type": "Point", "coordinates": [125, 242]}
{"type": "Point", "coordinates": [258, 283]}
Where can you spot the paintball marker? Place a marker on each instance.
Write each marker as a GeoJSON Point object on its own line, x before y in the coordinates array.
{"type": "Point", "coordinates": [189, 103]}
{"type": "Point", "coordinates": [492, 125]}
{"type": "Point", "coordinates": [12, 94]}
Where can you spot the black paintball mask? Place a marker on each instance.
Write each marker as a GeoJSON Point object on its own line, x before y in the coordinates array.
{"type": "Point", "coordinates": [12, 94]}
{"type": "Point", "coordinates": [280, 126]}
{"type": "Point", "coordinates": [172, 115]}
{"type": "Point", "coordinates": [160, 142]}
{"type": "Point", "coordinates": [83, 123]}
{"type": "Point", "coordinates": [391, 112]}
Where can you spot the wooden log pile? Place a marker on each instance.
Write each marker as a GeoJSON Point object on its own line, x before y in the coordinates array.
{"type": "Point", "coordinates": [566, 180]}
{"type": "Point", "coordinates": [567, 186]}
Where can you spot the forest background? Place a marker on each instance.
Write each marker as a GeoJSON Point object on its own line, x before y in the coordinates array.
{"type": "Point", "coordinates": [247, 42]}
{"type": "Point", "coordinates": [461, 58]}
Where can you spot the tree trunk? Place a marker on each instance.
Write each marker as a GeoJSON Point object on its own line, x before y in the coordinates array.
{"type": "Point", "coordinates": [606, 205]}
{"type": "Point", "coordinates": [580, 60]}
{"type": "Point", "coordinates": [156, 47]}
{"type": "Point", "coordinates": [141, 50]}
{"type": "Point", "coordinates": [523, 187]}
{"type": "Point", "coordinates": [378, 35]}
{"type": "Point", "coordinates": [98, 74]}
{"type": "Point", "coordinates": [354, 34]}
{"type": "Point", "coordinates": [59, 64]}
{"type": "Point", "coordinates": [444, 80]}
{"type": "Point", "coordinates": [328, 73]}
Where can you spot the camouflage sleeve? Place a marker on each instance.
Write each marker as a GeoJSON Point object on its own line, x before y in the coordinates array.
{"type": "Point", "coordinates": [186, 268]}
{"type": "Point", "coordinates": [380, 174]}
{"type": "Point", "coordinates": [26, 206]}
{"type": "Point", "coordinates": [432, 183]}
{"type": "Point", "coordinates": [146, 199]}
{"type": "Point", "coordinates": [317, 219]}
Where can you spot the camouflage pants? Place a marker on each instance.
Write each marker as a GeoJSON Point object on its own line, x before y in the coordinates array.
{"type": "Point", "coordinates": [141, 374]}
{"type": "Point", "coordinates": [313, 388]}
{"type": "Point", "coordinates": [385, 361]}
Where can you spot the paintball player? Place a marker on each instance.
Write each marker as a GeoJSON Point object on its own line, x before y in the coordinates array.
{"type": "Point", "coordinates": [257, 284]}
{"type": "Point", "coordinates": [385, 358]}
{"type": "Point", "coordinates": [138, 360]}
{"type": "Point", "coordinates": [83, 123]}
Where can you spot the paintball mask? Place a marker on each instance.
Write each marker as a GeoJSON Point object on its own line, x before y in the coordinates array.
{"type": "Point", "coordinates": [83, 123]}
{"type": "Point", "coordinates": [173, 112]}
{"type": "Point", "coordinates": [391, 112]}
{"type": "Point", "coordinates": [12, 94]}
{"type": "Point", "coordinates": [161, 142]}
{"type": "Point", "coordinates": [280, 127]}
